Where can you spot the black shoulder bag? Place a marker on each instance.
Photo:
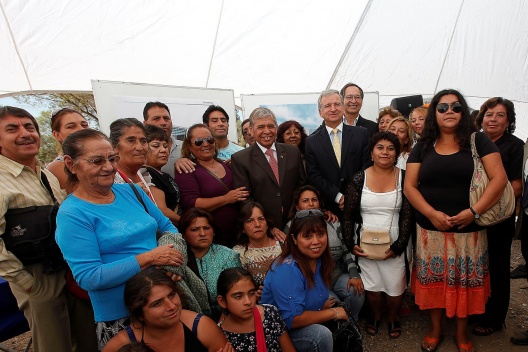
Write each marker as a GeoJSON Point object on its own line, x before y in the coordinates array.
{"type": "Point", "coordinates": [30, 234]}
{"type": "Point", "coordinates": [345, 333]}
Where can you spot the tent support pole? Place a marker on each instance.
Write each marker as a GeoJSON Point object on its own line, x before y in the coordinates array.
{"type": "Point", "coordinates": [214, 44]}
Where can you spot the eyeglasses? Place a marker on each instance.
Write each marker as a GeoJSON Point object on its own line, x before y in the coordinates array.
{"type": "Point", "coordinates": [199, 141]}
{"type": "Point", "coordinates": [100, 161]}
{"type": "Point", "coordinates": [301, 214]}
{"type": "Point", "coordinates": [443, 107]}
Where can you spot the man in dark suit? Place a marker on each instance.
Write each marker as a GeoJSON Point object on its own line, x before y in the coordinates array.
{"type": "Point", "coordinates": [335, 152]}
{"type": "Point", "coordinates": [270, 171]}
{"type": "Point", "coordinates": [353, 101]}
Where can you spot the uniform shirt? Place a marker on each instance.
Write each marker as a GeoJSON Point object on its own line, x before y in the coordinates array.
{"type": "Point", "coordinates": [21, 187]}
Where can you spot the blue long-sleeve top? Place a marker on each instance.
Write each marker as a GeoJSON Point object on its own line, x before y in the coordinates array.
{"type": "Point", "coordinates": [286, 288]}
{"type": "Point", "coordinates": [100, 243]}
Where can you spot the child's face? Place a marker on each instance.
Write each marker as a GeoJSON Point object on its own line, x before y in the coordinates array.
{"type": "Point", "coordinates": [240, 299]}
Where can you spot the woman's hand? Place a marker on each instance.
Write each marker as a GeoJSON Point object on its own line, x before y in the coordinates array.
{"type": "Point", "coordinates": [259, 293]}
{"type": "Point", "coordinates": [357, 284]}
{"type": "Point", "coordinates": [164, 255]}
{"type": "Point", "coordinates": [330, 302]}
{"type": "Point", "coordinates": [330, 217]}
{"type": "Point", "coordinates": [462, 219]}
{"type": "Point", "coordinates": [341, 313]}
{"type": "Point", "coordinates": [357, 251]}
{"type": "Point", "coordinates": [389, 254]}
{"type": "Point", "coordinates": [278, 235]}
{"type": "Point", "coordinates": [440, 221]}
{"type": "Point", "coordinates": [236, 195]}
{"type": "Point", "coordinates": [227, 348]}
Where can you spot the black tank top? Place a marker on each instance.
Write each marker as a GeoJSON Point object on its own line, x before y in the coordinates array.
{"type": "Point", "coordinates": [192, 344]}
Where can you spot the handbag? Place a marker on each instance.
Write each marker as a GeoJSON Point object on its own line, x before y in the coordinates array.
{"type": "Point", "coordinates": [501, 210]}
{"type": "Point", "coordinates": [376, 241]}
{"type": "Point", "coordinates": [30, 234]}
{"type": "Point", "coordinates": [345, 333]}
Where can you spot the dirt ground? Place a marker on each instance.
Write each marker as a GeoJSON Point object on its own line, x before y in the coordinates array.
{"type": "Point", "coordinates": [415, 326]}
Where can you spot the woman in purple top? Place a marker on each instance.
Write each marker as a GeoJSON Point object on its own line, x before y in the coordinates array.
{"type": "Point", "coordinates": [210, 187]}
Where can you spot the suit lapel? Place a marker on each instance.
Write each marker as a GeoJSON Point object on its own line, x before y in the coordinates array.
{"type": "Point", "coordinates": [260, 159]}
{"type": "Point", "coordinates": [327, 145]}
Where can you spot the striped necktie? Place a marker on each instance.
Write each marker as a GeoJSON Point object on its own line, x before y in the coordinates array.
{"type": "Point", "coordinates": [273, 164]}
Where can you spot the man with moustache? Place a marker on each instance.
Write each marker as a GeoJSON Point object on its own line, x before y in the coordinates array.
{"type": "Point", "coordinates": [217, 119]}
{"type": "Point", "coordinates": [353, 101]}
{"type": "Point", "coordinates": [270, 171]}
{"type": "Point", "coordinates": [36, 273]}
{"type": "Point", "coordinates": [335, 152]}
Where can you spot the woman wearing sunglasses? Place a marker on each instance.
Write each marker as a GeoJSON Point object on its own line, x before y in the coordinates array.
{"type": "Point", "coordinates": [299, 281]}
{"type": "Point", "coordinates": [346, 283]}
{"type": "Point", "coordinates": [210, 187]}
{"type": "Point", "coordinates": [104, 232]}
{"type": "Point", "coordinates": [451, 260]}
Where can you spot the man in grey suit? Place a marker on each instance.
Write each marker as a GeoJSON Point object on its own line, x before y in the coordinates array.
{"type": "Point", "coordinates": [335, 152]}
{"type": "Point", "coordinates": [270, 171]}
{"type": "Point", "coordinates": [353, 101]}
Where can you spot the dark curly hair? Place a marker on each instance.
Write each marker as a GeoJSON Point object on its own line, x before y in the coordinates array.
{"type": "Point", "coordinates": [493, 102]}
{"type": "Point", "coordinates": [387, 136]}
{"type": "Point", "coordinates": [431, 131]}
{"type": "Point", "coordinates": [283, 127]}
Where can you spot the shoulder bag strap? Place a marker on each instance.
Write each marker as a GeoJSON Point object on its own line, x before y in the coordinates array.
{"type": "Point", "coordinates": [138, 196]}
{"type": "Point", "coordinates": [47, 185]}
{"type": "Point", "coordinates": [195, 324]}
{"type": "Point", "coordinates": [259, 331]}
{"type": "Point", "coordinates": [217, 178]}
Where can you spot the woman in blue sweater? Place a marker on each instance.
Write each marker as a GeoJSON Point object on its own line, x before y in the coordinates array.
{"type": "Point", "coordinates": [104, 232]}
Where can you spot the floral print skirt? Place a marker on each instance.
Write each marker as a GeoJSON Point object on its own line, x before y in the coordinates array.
{"type": "Point", "coordinates": [450, 271]}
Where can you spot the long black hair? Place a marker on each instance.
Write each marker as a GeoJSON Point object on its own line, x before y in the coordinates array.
{"type": "Point", "coordinates": [431, 131]}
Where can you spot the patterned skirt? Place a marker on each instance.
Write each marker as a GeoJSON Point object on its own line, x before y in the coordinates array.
{"type": "Point", "coordinates": [450, 270]}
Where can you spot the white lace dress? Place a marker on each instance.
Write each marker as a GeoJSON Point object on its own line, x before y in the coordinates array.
{"type": "Point", "coordinates": [378, 211]}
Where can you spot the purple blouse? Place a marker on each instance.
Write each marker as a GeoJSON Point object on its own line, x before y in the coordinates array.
{"type": "Point", "coordinates": [201, 184]}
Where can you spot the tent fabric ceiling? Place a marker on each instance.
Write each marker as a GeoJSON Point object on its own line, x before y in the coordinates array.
{"type": "Point", "coordinates": [397, 48]}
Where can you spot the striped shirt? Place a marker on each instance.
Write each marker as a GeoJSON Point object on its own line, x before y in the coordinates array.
{"type": "Point", "coordinates": [21, 187]}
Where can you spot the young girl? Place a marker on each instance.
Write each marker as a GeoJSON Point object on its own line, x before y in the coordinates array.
{"type": "Point", "coordinates": [237, 296]}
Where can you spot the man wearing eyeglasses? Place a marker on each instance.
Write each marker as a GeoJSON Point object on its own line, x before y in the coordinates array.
{"type": "Point", "coordinates": [217, 119]}
{"type": "Point", "coordinates": [28, 192]}
{"type": "Point", "coordinates": [335, 152]}
{"type": "Point", "coordinates": [158, 114]}
{"type": "Point", "coordinates": [353, 101]}
{"type": "Point", "coordinates": [270, 171]}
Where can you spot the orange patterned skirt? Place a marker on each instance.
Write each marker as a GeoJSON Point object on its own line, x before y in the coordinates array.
{"type": "Point", "coordinates": [450, 270]}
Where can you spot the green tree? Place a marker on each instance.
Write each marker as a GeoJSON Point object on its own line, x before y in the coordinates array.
{"type": "Point", "coordinates": [81, 102]}
{"type": "Point", "coordinates": [49, 147]}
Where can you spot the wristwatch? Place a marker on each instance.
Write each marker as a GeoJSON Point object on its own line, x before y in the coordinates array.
{"type": "Point", "coordinates": [474, 213]}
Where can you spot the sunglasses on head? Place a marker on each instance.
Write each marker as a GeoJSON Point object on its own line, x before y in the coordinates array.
{"type": "Point", "coordinates": [300, 214]}
{"type": "Point", "coordinates": [100, 161]}
{"type": "Point", "coordinates": [443, 107]}
{"type": "Point", "coordinates": [199, 141]}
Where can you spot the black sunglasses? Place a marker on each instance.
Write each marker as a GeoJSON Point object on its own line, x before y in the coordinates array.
{"type": "Point", "coordinates": [301, 214]}
{"type": "Point", "coordinates": [199, 141]}
{"type": "Point", "coordinates": [443, 107]}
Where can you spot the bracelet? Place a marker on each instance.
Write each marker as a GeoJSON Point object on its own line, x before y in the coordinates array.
{"type": "Point", "coordinates": [337, 313]}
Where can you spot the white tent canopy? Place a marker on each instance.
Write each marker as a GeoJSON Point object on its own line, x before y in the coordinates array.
{"type": "Point", "coordinates": [397, 48]}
